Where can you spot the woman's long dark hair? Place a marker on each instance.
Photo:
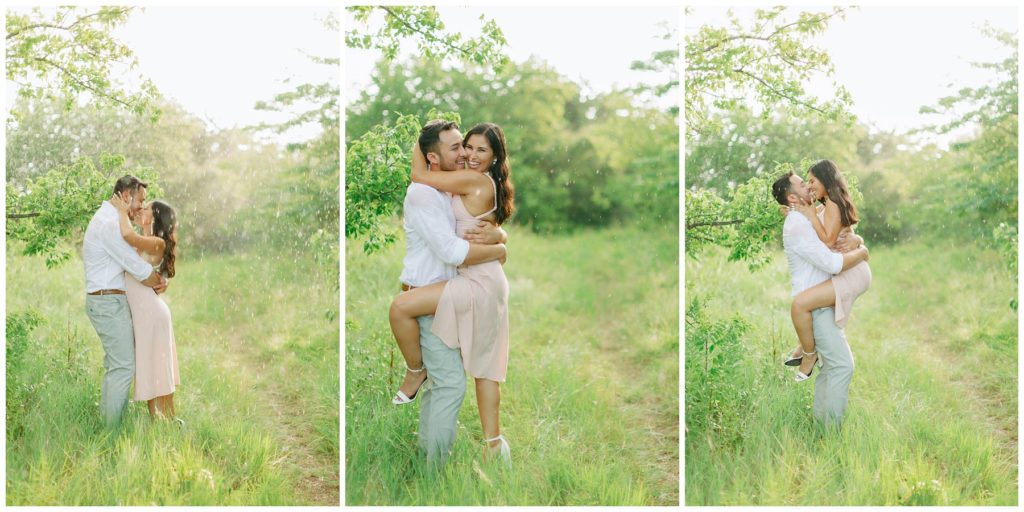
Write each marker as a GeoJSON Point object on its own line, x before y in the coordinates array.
{"type": "Point", "coordinates": [835, 187]}
{"type": "Point", "coordinates": [505, 193]}
{"type": "Point", "coordinates": [165, 225]}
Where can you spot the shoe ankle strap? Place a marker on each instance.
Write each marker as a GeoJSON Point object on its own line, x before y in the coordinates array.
{"type": "Point", "coordinates": [420, 369]}
{"type": "Point", "coordinates": [500, 436]}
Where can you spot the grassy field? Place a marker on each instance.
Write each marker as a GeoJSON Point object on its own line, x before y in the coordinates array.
{"type": "Point", "coordinates": [259, 390]}
{"type": "Point", "coordinates": [932, 417]}
{"type": "Point", "coordinates": [590, 406]}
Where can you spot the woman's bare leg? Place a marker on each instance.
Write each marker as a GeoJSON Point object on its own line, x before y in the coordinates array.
{"type": "Point", "coordinates": [820, 296]}
{"type": "Point", "coordinates": [404, 310]}
{"type": "Point", "coordinates": [165, 404]}
{"type": "Point", "coordinates": [488, 401]}
{"type": "Point", "coordinates": [151, 403]}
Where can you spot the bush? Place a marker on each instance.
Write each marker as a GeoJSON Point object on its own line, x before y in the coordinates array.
{"type": "Point", "coordinates": [19, 343]}
{"type": "Point", "coordinates": [716, 397]}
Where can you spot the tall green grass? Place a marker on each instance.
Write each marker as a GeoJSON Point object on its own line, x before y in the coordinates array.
{"type": "Point", "coordinates": [590, 406]}
{"type": "Point", "coordinates": [932, 417]}
{"type": "Point", "coordinates": [259, 391]}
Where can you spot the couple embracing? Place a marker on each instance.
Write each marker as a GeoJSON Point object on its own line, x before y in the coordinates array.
{"type": "Point", "coordinates": [451, 316]}
{"type": "Point", "coordinates": [829, 271]}
{"type": "Point", "coordinates": [125, 273]}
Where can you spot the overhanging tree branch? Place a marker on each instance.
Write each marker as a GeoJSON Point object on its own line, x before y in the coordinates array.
{"type": "Point", "coordinates": [427, 35]}
{"type": "Point", "coordinates": [16, 216]}
{"type": "Point", "coordinates": [779, 93]}
{"type": "Point", "coordinates": [716, 223]}
{"type": "Point", "coordinates": [84, 85]}
{"type": "Point", "coordinates": [745, 37]}
{"type": "Point", "coordinates": [34, 26]}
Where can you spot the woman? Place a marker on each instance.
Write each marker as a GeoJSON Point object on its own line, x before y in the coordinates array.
{"type": "Point", "coordinates": [470, 311]}
{"type": "Point", "coordinates": [836, 215]}
{"type": "Point", "coordinates": [156, 358]}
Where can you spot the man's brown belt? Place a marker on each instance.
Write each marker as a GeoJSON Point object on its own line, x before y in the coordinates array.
{"type": "Point", "coordinates": [107, 292]}
{"type": "Point", "coordinates": [406, 287]}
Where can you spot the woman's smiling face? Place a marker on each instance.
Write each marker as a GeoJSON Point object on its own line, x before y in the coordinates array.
{"type": "Point", "coordinates": [815, 187]}
{"type": "Point", "coordinates": [479, 154]}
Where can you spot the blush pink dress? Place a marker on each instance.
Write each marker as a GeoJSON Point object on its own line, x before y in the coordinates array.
{"type": "Point", "coordinates": [472, 314]}
{"type": "Point", "coordinates": [849, 284]}
{"type": "Point", "coordinates": [156, 358]}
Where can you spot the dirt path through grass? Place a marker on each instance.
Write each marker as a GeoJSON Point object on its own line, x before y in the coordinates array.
{"type": "Point", "coordinates": [317, 474]}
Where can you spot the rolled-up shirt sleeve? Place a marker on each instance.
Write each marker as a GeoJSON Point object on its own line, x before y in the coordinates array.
{"type": "Point", "coordinates": [807, 245]}
{"type": "Point", "coordinates": [427, 216]}
{"type": "Point", "coordinates": [123, 254]}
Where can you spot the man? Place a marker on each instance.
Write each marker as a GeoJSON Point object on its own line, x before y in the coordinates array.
{"type": "Point", "coordinates": [432, 253]}
{"type": "Point", "coordinates": [107, 257]}
{"type": "Point", "coordinates": [811, 263]}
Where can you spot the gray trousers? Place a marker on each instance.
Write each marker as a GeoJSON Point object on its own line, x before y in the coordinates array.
{"type": "Point", "coordinates": [442, 394]}
{"type": "Point", "coordinates": [112, 319]}
{"type": "Point", "coordinates": [831, 389]}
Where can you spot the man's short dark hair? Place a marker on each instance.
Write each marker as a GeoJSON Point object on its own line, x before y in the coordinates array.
{"type": "Point", "coordinates": [782, 187]}
{"type": "Point", "coordinates": [430, 135]}
{"type": "Point", "coordinates": [128, 182]}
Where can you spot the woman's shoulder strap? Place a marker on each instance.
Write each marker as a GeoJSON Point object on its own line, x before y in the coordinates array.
{"type": "Point", "coordinates": [494, 186]}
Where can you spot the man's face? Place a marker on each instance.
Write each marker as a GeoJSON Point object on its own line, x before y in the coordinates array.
{"type": "Point", "coordinates": [450, 153]}
{"type": "Point", "coordinates": [137, 201]}
{"type": "Point", "coordinates": [799, 189]}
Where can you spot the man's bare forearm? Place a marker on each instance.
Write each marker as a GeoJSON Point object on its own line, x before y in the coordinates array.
{"type": "Point", "coordinates": [152, 280]}
{"type": "Point", "coordinates": [854, 257]}
{"type": "Point", "coordinates": [479, 253]}
{"type": "Point", "coordinates": [852, 242]}
{"type": "Point", "coordinates": [486, 233]}
{"type": "Point", "coordinates": [503, 236]}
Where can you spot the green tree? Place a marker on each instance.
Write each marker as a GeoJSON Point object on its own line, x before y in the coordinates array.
{"type": "Point", "coordinates": [747, 220]}
{"type": "Point", "coordinates": [424, 26]}
{"type": "Point", "coordinates": [378, 143]}
{"type": "Point", "coordinates": [747, 145]}
{"type": "Point", "coordinates": [987, 105]}
{"type": "Point", "coordinates": [61, 203]}
{"type": "Point", "coordinates": [771, 59]}
{"type": "Point", "coordinates": [662, 62]}
{"type": "Point", "coordinates": [377, 173]}
{"type": "Point", "coordinates": [46, 136]}
{"type": "Point", "coordinates": [305, 201]}
{"type": "Point", "coordinates": [980, 192]}
{"type": "Point", "coordinates": [575, 161]}
{"type": "Point", "coordinates": [68, 52]}
{"type": "Point", "coordinates": [211, 176]}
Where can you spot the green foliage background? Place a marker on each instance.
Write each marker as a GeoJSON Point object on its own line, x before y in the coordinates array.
{"type": "Point", "coordinates": [932, 417]}
{"type": "Point", "coordinates": [255, 302]}
{"type": "Point", "coordinates": [575, 161]}
{"type": "Point", "coordinates": [596, 178]}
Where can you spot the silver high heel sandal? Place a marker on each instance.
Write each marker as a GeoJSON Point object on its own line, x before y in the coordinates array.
{"type": "Point", "coordinates": [504, 450]}
{"type": "Point", "coordinates": [400, 397]}
{"type": "Point", "coordinates": [800, 377]}
{"type": "Point", "coordinates": [793, 361]}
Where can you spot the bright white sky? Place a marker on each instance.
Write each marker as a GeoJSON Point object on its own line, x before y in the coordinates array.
{"type": "Point", "coordinates": [592, 46]}
{"type": "Point", "coordinates": [217, 62]}
{"type": "Point", "coordinates": [893, 60]}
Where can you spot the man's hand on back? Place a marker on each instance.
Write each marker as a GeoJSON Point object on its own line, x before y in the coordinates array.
{"type": "Point", "coordinates": [486, 233]}
{"type": "Point", "coordinates": [162, 286]}
{"type": "Point", "coordinates": [848, 242]}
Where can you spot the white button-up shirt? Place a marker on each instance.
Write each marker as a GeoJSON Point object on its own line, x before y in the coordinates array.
{"type": "Point", "coordinates": [107, 256]}
{"type": "Point", "coordinates": [810, 260]}
{"type": "Point", "coordinates": [432, 250]}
